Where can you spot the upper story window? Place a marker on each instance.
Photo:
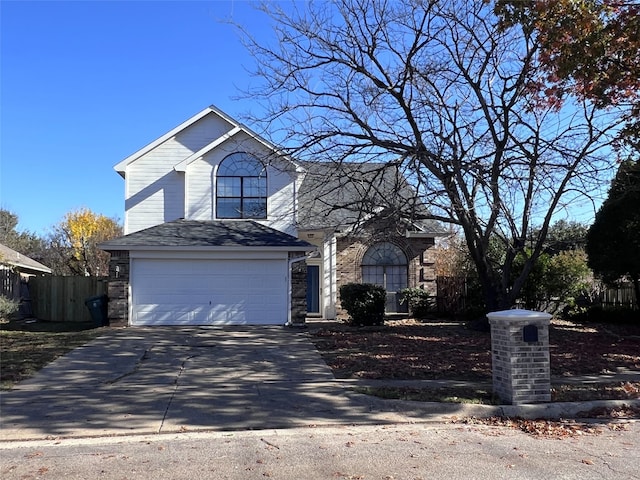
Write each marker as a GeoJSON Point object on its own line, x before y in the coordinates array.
{"type": "Point", "coordinates": [241, 187]}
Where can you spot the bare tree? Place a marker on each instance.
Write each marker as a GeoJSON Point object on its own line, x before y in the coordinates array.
{"type": "Point", "coordinates": [440, 91]}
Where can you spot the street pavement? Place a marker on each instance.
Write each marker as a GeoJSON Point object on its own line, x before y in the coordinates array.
{"type": "Point", "coordinates": [363, 452]}
{"type": "Point", "coordinates": [259, 401]}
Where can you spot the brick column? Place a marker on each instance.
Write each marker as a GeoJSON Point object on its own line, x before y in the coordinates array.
{"type": "Point", "coordinates": [520, 356]}
{"type": "Point", "coordinates": [118, 290]}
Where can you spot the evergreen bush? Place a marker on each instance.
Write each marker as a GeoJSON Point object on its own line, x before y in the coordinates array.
{"type": "Point", "coordinates": [364, 302]}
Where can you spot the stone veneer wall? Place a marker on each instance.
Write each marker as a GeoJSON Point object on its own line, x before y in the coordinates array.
{"type": "Point", "coordinates": [298, 292]}
{"type": "Point", "coordinates": [419, 252]}
{"type": "Point", "coordinates": [118, 290]}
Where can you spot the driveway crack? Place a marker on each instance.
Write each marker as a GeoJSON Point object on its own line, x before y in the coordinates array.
{"type": "Point", "coordinates": [175, 390]}
{"type": "Point", "coordinates": [134, 370]}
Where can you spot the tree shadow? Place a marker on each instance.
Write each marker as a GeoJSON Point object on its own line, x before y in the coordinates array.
{"type": "Point", "coordinates": [159, 379]}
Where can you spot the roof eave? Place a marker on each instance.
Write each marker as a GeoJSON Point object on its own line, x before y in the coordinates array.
{"type": "Point", "coordinates": [121, 166]}
{"type": "Point", "coordinates": [23, 266]}
{"type": "Point", "coordinates": [203, 248]}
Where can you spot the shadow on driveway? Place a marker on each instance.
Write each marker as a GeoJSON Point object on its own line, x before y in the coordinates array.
{"type": "Point", "coordinates": [168, 379]}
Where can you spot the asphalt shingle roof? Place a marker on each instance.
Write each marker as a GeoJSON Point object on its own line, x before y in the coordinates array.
{"type": "Point", "coordinates": [347, 194]}
{"type": "Point", "coordinates": [11, 257]}
{"type": "Point", "coordinates": [217, 233]}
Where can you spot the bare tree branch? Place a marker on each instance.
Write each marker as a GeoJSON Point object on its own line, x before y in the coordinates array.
{"type": "Point", "coordinates": [437, 91]}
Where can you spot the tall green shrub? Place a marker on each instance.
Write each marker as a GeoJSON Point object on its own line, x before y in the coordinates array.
{"type": "Point", "coordinates": [420, 303]}
{"type": "Point", "coordinates": [364, 302]}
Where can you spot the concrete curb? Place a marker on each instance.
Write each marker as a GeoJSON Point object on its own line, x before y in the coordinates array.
{"type": "Point", "coordinates": [437, 412]}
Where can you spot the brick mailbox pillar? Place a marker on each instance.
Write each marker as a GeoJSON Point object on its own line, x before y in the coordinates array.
{"type": "Point", "coordinates": [520, 355]}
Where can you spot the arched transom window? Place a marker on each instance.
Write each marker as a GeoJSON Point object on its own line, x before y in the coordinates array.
{"type": "Point", "coordinates": [241, 187]}
{"type": "Point", "coordinates": [385, 264]}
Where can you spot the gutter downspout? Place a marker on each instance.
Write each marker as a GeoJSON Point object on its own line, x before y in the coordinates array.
{"type": "Point", "coordinates": [290, 289]}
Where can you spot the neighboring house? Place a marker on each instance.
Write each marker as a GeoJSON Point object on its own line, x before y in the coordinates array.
{"type": "Point", "coordinates": [15, 270]}
{"type": "Point", "coordinates": [10, 259]}
{"type": "Point", "coordinates": [222, 228]}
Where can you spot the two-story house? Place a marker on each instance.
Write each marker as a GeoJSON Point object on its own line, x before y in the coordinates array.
{"type": "Point", "coordinates": [222, 228]}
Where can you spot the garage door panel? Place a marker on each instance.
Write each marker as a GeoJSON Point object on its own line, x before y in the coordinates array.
{"type": "Point", "coordinates": [208, 292]}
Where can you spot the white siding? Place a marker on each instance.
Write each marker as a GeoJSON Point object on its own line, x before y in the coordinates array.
{"type": "Point", "coordinates": [200, 189]}
{"type": "Point", "coordinates": [154, 192]}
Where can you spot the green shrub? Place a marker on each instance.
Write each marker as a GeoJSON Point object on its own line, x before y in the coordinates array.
{"type": "Point", "coordinates": [364, 302]}
{"type": "Point", "coordinates": [421, 304]}
{"type": "Point", "coordinates": [7, 308]}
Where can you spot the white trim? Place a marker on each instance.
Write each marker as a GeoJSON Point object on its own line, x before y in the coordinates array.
{"type": "Point", "coordinates": [214, 248]}
{"type": "Point", "coordinates": [410, 234]}
{"type": "Point", "coordinates": [331, 293]}
{"type": "Point", "coordinates": [210, 255]}
{"type": "Point", "coordinates": [182, 166]}
{"type": "Point", "coordinates": [121, 166]}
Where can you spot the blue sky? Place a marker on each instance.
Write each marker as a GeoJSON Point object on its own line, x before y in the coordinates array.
{"type": "Point", "coordinates": [84, 84]}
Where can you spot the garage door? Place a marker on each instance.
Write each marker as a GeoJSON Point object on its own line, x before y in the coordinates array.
{"type": "Point", "coordinates": [208, 292]}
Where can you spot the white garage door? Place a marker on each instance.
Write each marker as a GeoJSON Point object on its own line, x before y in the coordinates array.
{"type": "Point", "coordinates": [208, 292]}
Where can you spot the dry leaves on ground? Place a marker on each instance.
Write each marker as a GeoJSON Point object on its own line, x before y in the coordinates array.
{"type": "Point", "coordinates": [410, 349]}
{"type": "Point", "coordinates": [545, 428]}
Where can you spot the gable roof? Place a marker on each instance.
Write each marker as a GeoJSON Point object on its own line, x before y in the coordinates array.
{"type": "Point", "coordinates": [10, 257]}
{"type": "Point", "coordinates": [223, 234]}
{"type": "Point", "coordinates": [349, 194]}
{"type": "Point", "coordinates": [120, 166]}
{"type": "Point", "coordinates": [181, 163]}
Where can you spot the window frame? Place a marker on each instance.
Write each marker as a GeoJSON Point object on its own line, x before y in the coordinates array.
{"type": "Point", "coordinates": [248, 182]}
{"type": "Point", "coordinates": [384, 271]}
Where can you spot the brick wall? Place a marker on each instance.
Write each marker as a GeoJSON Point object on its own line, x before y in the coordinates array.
{"type": "Point", "coordinates": [521, 370]}
{"type": "Point", "coordinates": [419, 252]}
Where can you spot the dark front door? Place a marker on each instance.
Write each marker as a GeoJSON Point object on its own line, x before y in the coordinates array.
{"type": "Point", "coordinates": [313, 289]}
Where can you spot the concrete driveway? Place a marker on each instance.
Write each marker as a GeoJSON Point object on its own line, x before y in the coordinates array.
{"type": "Point", "coordinates": [168, 379]}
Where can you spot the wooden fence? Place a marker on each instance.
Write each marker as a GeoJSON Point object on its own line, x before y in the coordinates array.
{"type": "Point", "coordinates": [62, 298]}
{"type": "Point", "coordinates": [9, 284]}
{"type": "Point", "coordinates": [452, 295]}
{"type": "Point", "coordinates": [621, 296]}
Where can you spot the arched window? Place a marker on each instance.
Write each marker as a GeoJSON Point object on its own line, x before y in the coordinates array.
{"type": "Point", "coordinates": [241, 187]}
{"type": "Point", "coordinates": [385, 264]}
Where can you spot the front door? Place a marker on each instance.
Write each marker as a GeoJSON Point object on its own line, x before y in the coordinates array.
{"type": "Point", "coordinates": [313, 289]}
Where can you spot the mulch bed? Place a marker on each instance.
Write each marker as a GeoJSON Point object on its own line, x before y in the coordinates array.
{"type": "Point", "coordinates": [410, 349]}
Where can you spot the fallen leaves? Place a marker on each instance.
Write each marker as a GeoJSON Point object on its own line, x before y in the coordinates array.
{"type": "Point", "coordinates": [619, 412]}
{"type": "Point", "coordinates": [408, 349]}
{"type": "Point", "coordinates": [558, 429]}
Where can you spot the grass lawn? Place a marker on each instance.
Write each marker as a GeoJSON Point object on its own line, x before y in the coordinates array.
{"type": "Point", "coordinates": [27, 346]}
